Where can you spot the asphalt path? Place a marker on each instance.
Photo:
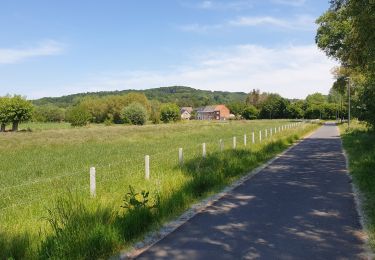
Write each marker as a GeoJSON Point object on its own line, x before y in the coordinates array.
{"type": "Point", "coordinates": [299, 207]}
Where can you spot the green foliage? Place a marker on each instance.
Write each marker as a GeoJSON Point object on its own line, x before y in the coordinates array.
{"type": "Point", "coordinates": [274, 107]}
{"type": "Point", "coordinates": [78, 232]}
{"type": "Point", "coordinates": [137, 200]}
{"type": "Point", "coordinates": [169, 113]}
{"type": "Point", "coordinates": [110, 108]}
{"type": "Point", "coordinates": [4, 112]}
{"type": "Point", "coordinates": [135, 114]}
{"type": "Point", "coordinates": [359, 143]}
{"type": "Point", "coordinates": [14, 110]}
{"type": "Point", "coordinates": [250, 112]}
{"type": "Point", "coordinates": [295, 110]}
{"type": "Point", "coordinates": [155, 111]}
{"type": "Point", "coordinates": [78, 116]}
{"type": "Point", "coordinates": [182, 96]}
{"type": "Point", "coordinates": [237, 108]}
{"type": "Point", "coordinates": [346, 33]}
{"type": "Point", "coordinates": [48, 113]}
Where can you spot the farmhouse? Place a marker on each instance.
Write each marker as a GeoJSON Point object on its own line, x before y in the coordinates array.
{"type": "Point", "coordinates": [217, 112]}
{"type": "Point", "coordinates": [186, 113]}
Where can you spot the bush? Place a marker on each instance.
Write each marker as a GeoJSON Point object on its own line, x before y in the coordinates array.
{"type": "Point", "coordinates": [250, 112]}
{"type": "Point", "coordinates": [135, 114]}
{"type": "Point", "coordinates": [48, 113]}
{"type": "Point", "coordinates": [78, 116]}
{"type": "Point", "coordinates": [169, 112]}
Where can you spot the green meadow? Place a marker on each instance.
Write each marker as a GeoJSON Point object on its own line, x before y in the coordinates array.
{"type": "Point", "coordinates": [45, 206]}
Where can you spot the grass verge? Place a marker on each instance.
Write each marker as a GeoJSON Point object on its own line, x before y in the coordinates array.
{"type": "Point", "coordinates": [359, 143]}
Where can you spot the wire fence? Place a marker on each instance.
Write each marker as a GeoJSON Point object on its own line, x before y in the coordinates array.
{"type": "Point", "coordinates": [121, 167]}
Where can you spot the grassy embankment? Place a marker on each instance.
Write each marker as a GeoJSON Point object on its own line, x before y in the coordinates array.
{"type": "Point", "coordinates": [45, 207]}
{"type": "Point", "coordinates": [359, 143]}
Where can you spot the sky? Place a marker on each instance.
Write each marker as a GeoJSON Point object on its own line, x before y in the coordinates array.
{"type": "Point", "coordinates": [54, 48]}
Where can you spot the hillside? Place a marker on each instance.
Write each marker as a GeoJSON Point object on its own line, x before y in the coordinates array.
{"type": "Point", "coordinates": [183, 96]}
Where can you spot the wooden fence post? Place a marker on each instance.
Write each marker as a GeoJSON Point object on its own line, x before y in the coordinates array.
{"type": "Point", "coordinates": [204, 153]}
{"type": "Point", "coordinates": [245, 139]}
{"type": "Point", "coordinates": [253, 137]}
{"type": "Point", "coordinates": [260, 136]}
{"type": "Point", "coordinates": [234, 142]}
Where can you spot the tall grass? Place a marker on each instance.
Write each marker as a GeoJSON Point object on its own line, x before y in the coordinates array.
{"type": "Point", "coordinates": [359, 142]}
{"type": "Point", "coordinates": [40, 168]}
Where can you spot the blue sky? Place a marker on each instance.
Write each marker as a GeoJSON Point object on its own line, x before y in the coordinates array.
{"type": "Point", "coordinates": [53, 48]}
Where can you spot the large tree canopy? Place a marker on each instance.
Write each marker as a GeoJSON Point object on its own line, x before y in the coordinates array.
{"type": "Point", "coordinates": [347, 33]}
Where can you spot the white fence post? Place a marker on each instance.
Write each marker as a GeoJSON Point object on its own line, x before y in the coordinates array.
{"type": "Point", "coordinates": [147, 167]}
{"type": "Point", "coordinates": [260, 135]}
{"type": "Point", "coordinates": [92, 182]}
{"type": "Point", "coordinates": [204, 153]}
{"type": "Point", "coordinates": [275, 130]}
{"type": "Point", "coordinates": [271, 132]}
{"type": "Point", "coordinates": [253, 137]}
{"type": "Point", "coordinates": [180, 156]}
{"type": "Point", "coordinates": [266, 133]}
{"type": "Point", "coordinates": [221, 144]}
{"type": "Point", "coordinates": [234, 142]}
{"type": "Point", "coordinates": [245, 139]}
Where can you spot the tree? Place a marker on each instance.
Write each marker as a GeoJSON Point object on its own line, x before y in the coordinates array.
{"type": "Point", "coordinates": [237, 108]}
{"type": "Point", "coordinates": [135, 114]}
{"type": "Point", "coordinates": [48, 113]}
{"type": "Point", "coordinates": [169, 112]}
{"type": "Point", "coordinates": [20, 110]}
{"type": "Point", "coordinates": [295, 110]}
{"type": "Point", "coordinates": [155, 112]}
{"type": "Point", "coordinates": [255, 98]}
{"type": "Point", "coordinates": [274, 107]}
{"type": "Point", "coordinates": [78, 116]}
{"type": "Point", "coordinates": [346, 33]}
{"type": "Point", "coordinates": [250, 112]}
{"type": "Point", "coordinates": [4, 112]}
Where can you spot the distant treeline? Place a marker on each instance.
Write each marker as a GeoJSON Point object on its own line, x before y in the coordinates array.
{"type": "Point", "coordinates": [180, 95]}
{"type": "Point", "coordinates": [164, 105]}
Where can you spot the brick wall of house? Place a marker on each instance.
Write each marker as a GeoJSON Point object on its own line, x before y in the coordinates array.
{"type": "Point", "coordinates": [224, 111]}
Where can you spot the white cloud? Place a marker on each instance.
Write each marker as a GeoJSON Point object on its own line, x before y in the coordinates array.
{"type": "Point", "coordinates": [16, 55]}
{"type": "Point", "coordinates": [298, 22]}
{"type": "Point", "coordinates": [292, 71]}
{"type": "Point", "coordinates": [224, 5]}
{"type": "Point", "coordinates": [290, 2]}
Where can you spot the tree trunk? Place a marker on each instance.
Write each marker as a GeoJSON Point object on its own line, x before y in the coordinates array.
{"type": "Point", "coordinates": [15, 126]}
{"type": "Point", "coordinates": [2, 129]}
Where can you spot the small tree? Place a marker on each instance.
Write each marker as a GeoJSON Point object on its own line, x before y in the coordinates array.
{"type": "Point", "coordinates": [20, 110]}
{"type": "Point", "coordinates": [4, 112]}
{"type": "Point", "coordinates": [135, 114]}
{"type": "Point", "coordinates": [78, 116]}
{"type": "Point", "coordinates": [250, 112]}
{"type": "Point", "coordinates": [169, 112]}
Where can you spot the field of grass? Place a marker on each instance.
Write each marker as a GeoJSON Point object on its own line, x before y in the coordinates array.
{"type": "Point", "coordinates": [45, 205]}
{"type": "Point", "coordinates": [359, 143]}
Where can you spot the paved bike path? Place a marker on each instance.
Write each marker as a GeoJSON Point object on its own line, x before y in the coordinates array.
{"type": "Point", "coordinates": [299, 207]}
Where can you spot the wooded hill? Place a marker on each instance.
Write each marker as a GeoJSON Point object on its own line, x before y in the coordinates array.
{"type": "Point", "coordinates": [182, 96]}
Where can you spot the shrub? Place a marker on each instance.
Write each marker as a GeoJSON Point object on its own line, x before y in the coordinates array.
{"type": "Point", "coordinates": [48, 113]}
{"type": "Point", "coordinates": [78, 116]}
{"type": "Point", "coordinates": [169, 112]}
{"type": "Point", "coordinates": [135, 114]}
{"type": "Point", "coordinates": [250, 112]}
